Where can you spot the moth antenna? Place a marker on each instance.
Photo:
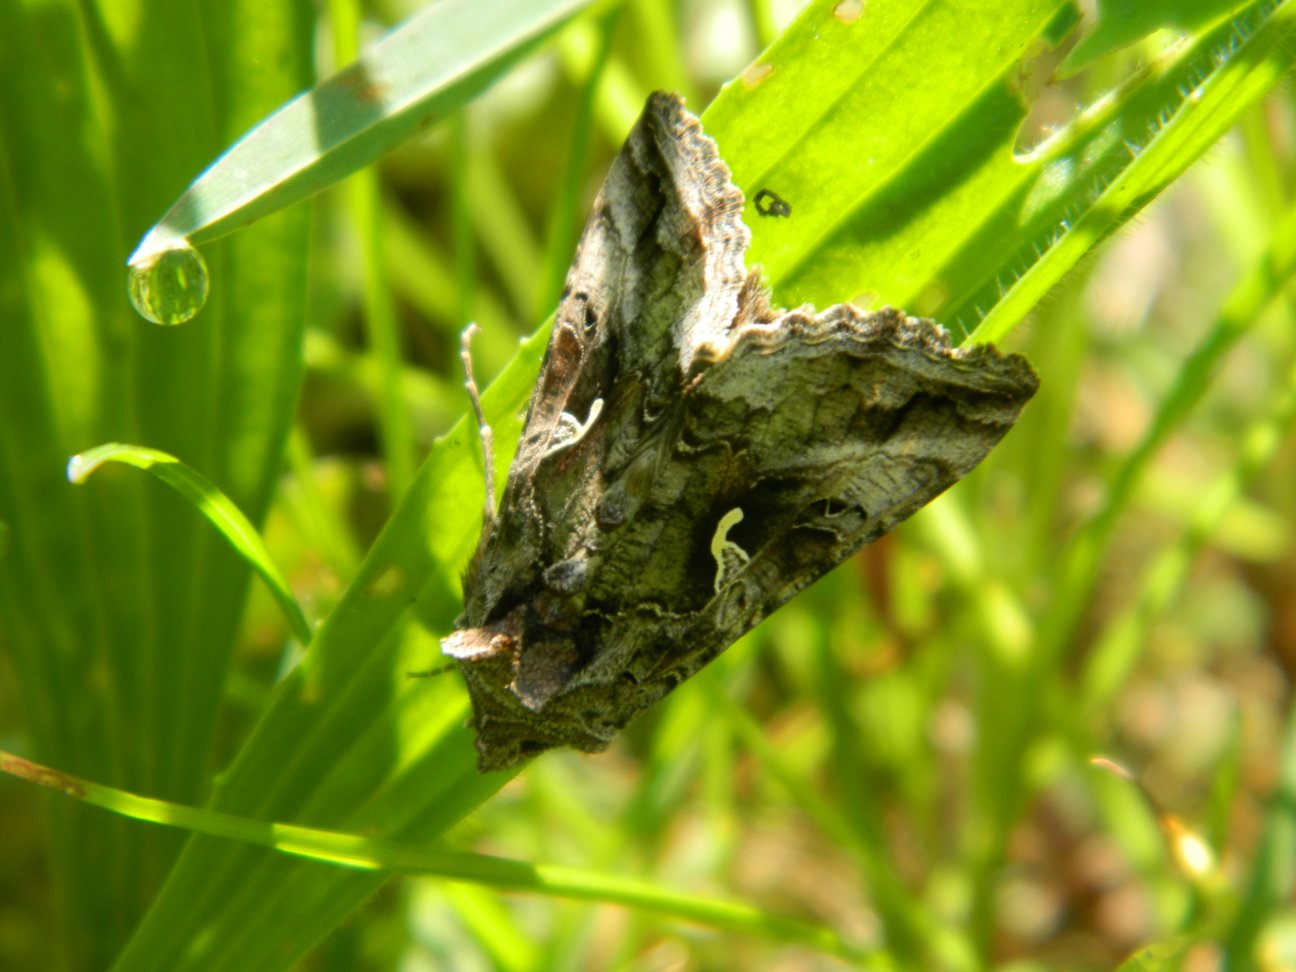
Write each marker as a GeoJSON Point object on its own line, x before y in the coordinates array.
{"type": "Point", "coordinates": [483, 430]}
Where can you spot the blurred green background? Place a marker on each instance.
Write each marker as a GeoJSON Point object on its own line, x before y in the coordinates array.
{"type": "Point", "coordinates": [902, 754]}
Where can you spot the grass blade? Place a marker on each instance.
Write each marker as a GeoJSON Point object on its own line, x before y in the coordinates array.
{"type": "Point", "coordinates": [218, 509]}
{"type": "Point", "coordinates": [365, 853]}
{"type": "Point", "coordinates": [417, 75]}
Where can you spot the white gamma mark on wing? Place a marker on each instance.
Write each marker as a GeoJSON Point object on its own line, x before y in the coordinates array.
{"type": "Point", "coordinates": [571, 430]}
{"type": "Point", "coordinates": [729, 557]}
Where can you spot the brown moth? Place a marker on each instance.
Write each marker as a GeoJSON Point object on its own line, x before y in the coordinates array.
{"type": "Point", "coordinates": [693, 457]}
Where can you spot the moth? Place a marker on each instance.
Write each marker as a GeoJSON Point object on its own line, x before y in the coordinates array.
{"type": "Point", "coordinates": [693, 457]}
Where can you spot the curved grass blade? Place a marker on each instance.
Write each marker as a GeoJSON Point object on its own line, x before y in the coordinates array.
{"type": "Point", "coordinates": [215, 506]}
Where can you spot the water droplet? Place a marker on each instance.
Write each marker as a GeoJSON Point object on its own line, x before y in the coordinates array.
{"type": "Point", "coordinates": [169, 285]}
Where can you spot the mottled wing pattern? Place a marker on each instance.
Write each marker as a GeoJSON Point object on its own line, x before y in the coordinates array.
{"type": "Point", "coordinates": [662, 249]}
{"type": "Point", "coordinates": [691, 459]}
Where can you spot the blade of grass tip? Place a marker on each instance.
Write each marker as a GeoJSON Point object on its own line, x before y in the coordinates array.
{"type": "Point", "coordinates": [214, 505]}
{"type": "Point", "coordinates": [1240, 62]}
{"type": "Point", "coordinates": [348, 850]}
{"type": "Point", "coordinates": [422, 71]}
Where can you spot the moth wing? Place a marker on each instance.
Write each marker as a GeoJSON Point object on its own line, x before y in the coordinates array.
{"type": "Point", "coordinates": [691, 459]}
{"type": "Point", "coordinates": [812, 436]}
{"type": "Point", "coordinates": [658, 268]}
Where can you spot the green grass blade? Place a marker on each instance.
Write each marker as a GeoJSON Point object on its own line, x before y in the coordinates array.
{"type": "Point", "coordinates": [417, 75]}
{"type": "Point", "coordinates": [364, 853]}
{"type": "Point", "coordinates": [1201, 91]}
{"type": "Point", "coordinates": [218, 509]}
{"type": "Point", "coordinates": [898, 158]}
{"type": "Point", "coordinates": [903, 176]}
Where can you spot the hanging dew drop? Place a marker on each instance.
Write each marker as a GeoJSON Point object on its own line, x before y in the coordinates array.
{"type": "Point", "coordinates": [169, 285]}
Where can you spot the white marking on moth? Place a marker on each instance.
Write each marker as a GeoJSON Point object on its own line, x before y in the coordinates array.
{"type": "Point", "coordinates": [571, 430]}
{"type": "Point", "coordinates": [729, 557]}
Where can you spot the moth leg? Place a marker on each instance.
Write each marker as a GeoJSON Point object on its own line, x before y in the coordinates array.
{"type": "Point", "coordinates": [483, 430]}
